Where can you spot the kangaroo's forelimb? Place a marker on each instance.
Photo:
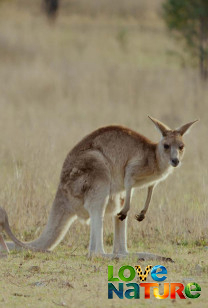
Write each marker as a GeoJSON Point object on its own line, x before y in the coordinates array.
{"type": "Point", "coordinates": [128, 184]}
{"type": "Point", "coordinates": [123, 213]}
{"type": "Point", "coordinates": [142, 214]}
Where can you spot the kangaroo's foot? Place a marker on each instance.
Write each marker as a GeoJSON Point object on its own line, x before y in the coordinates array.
{"type": "Point", "coordinates": [142, 256]}
{"type": "Point", "coordinates": [11, 246]}
{"type": "Point", "coordinates": [146, 256]}
{"type": "Point", "coordinates": [121, 215]}
{"type": "Point", "coordinates": [109, 256]}
{"type": "Point", "coordinates": [140, 216]}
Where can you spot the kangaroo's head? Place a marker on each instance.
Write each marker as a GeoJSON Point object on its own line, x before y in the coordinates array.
{"type": "Point", "coordinates": [171, 146]}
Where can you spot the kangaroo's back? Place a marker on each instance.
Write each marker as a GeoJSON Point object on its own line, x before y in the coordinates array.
{"type": "Point", "coordinates": [116, 143]}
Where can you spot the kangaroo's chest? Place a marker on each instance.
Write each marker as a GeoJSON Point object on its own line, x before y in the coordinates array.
{"type": "Point", "coordinates": [152, 179]}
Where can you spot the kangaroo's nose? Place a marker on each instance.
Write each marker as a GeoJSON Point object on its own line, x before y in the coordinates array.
{"type": "Point", "coordinates": [175, 162]}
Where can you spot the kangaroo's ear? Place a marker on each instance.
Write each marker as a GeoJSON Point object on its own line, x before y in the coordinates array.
{"type": "Point", "coordinates": [163, 129]}
{"type": "Point", "coordinates": [184, 129]}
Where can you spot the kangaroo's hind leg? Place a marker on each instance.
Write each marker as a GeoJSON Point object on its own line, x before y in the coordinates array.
{"type": "Point", "coordinates": [95, 203]}
{"type": "Point", "coordinates": [120, 234]}
{"type": "Point", "coordinates": [120, 231]}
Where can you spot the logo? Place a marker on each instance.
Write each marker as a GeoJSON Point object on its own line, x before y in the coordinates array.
{"type": "Point", "coordinates": [146, 272]}
{"type": "Point", "coordinates": [131, 289]}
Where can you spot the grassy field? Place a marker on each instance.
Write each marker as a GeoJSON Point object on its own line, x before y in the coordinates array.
{"type": "Point", "coordinates": [69, 279]}
{"type": "Point", "coordinates": [59, 81]}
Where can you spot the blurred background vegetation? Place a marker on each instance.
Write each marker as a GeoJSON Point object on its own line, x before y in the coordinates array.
{"type": "Point", "coordinates": [94, 63]}
{"type": "Point", "coordinates": [190, 20]}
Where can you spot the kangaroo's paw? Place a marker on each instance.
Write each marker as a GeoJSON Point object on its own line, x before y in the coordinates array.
{"type": "Point", "coordinates": [121, 216]}
{"type": "Point", "coordinates": [140, 217]}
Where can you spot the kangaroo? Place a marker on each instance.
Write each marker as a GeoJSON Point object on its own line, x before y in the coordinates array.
{"type": "Point", "coordinates": [98, 177]}
{"type": "Point", "coordinates": [4, 226]}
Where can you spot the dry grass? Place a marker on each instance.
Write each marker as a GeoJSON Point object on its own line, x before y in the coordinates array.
{"type": "Point", "coordinates": [60, 81]}
{"type": "Point", "coordinates": [72, 280]}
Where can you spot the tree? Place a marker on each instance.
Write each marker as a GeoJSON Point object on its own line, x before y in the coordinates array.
{"type": "Point", "coordinates": [51, 7]}
{"type": "Point", "coordinates": [189, 19]}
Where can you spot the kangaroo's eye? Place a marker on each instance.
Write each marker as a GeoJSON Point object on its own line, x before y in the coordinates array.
{"type": "Point", "coordinates": [181, 147]}
{"type": "Point", "coordinates": [166, 146]}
